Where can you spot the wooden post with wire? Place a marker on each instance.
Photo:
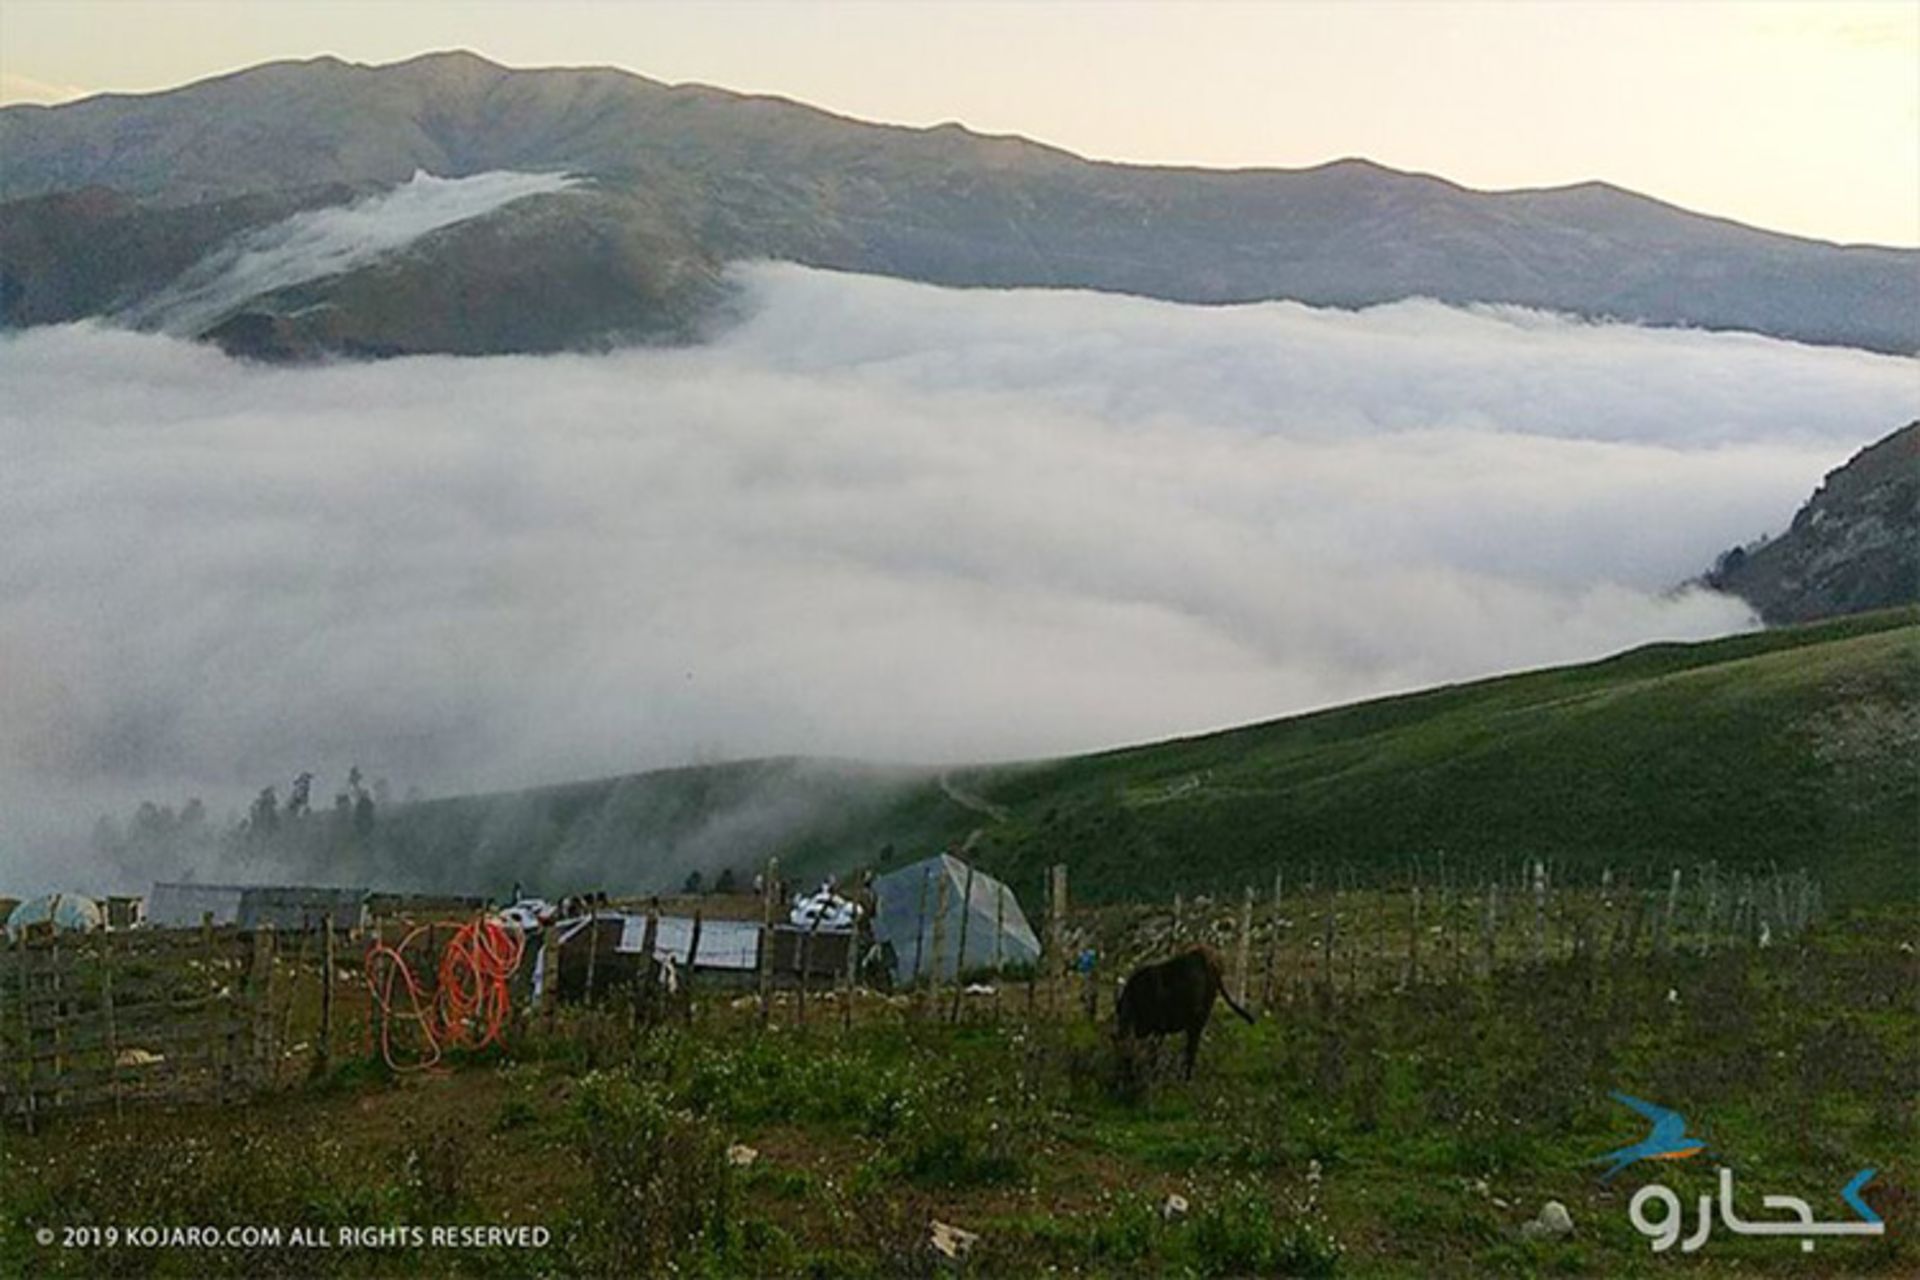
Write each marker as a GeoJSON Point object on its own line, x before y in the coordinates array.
{"type": "Point", "coordinates": [850, 975]}
{"type": "Point", "coordinates": [27, 1083]}
{"type": "Point", "coordinates": [1057, 969]}
{"type": "Point", "coordinates": [931, 996]}
{"type": "Point", "coordinates": [693, 958]}
{"type": "Point", "coordinates": [111, 943]}
{"type": "Point", "coordinates": [593, 949]}
{"type": "Point", "coordinates": [960, 956]}
{"type": "Point", "coordinates": [920, 928]}
{"type": "Point", "coordinates": [1243, 956]}
{"type": "Point", "coordinates": [647, 993]}
{"type": "Point", "coordinates": [999, 939]}
{"type": "Point", "coordinates": [1268, 990]}
{"type": "Point", "coordinates": [260, 1006]}
{"type": "Point", "coordinates": [805, 965]}
{"type": "Point", "coordinates": [768, 888]}
{"type": "Point", "coordinates": [1413, 937]}
{"type": "Point", "coordinates": [1326, 954]}
{"type": "Point", "coordinates": [323, 1051]}
{"type": "Point", "coordinates": [1539, 911]}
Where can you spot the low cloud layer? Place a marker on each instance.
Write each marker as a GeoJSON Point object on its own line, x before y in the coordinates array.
{"type": "Point", "coordinates": [330, 242]}
{"type": "Point", "coordinates": [877, 520]}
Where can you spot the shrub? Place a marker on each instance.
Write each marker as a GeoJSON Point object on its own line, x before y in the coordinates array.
{"type": "Point", "coordinates": [659, 1188]}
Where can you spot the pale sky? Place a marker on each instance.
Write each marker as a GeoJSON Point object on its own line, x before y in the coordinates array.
{"type": "Point", "coordinates": [1796, 117]}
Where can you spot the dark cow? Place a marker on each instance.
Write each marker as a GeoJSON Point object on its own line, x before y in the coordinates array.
{"type": "Point", "coordinates": [1174, 996]}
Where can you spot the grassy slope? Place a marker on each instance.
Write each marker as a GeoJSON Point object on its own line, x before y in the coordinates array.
{"type": "Point", "coordinates": [1793, 746]}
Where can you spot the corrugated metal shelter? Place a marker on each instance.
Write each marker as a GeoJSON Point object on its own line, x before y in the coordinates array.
{"type": "Point", "coordinates": [724, 944]}
{"type": "Point", "coordinates": [182, 906]}
{"type": "Point", "coordinates": [302, 908]}
{"type": "Point", "coordinates": [907, 902]}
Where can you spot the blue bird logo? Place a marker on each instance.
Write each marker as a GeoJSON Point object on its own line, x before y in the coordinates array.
{"type": "Point", "coordinates": [1667, 1140]}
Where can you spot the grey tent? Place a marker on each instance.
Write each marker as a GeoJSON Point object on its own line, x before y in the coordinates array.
{"type": "Point", "coordinates": [905, 905]}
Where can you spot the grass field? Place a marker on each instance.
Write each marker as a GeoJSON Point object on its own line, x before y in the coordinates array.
{"type": "Point", "coordinates": [1385, 1132]}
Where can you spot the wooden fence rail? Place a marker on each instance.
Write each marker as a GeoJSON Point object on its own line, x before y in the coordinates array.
{"type": "Point", "coordinates": [103, 1019]}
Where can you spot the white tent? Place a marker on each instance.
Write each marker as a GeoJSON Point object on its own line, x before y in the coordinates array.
{"type": "Point", "coordinates": [907, 902]}
{"type": "Point", "coordinates": [70, 913]}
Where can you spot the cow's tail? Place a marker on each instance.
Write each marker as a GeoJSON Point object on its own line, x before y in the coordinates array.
{"type": "Point", "coordinates": [1234, 1004]}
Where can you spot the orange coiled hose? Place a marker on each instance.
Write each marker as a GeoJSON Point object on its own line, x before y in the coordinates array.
{"type": "Point", "coordinates": [470, 1002]}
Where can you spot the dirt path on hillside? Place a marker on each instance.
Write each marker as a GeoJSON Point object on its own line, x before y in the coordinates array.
{"type": "Point", "coordinates": [968, 800]}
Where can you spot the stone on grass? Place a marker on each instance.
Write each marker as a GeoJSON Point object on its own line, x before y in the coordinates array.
{"type": "Point", "coordinates": [1554, 1221]}
{"type": "Point", "coordinates": [950, 1241]}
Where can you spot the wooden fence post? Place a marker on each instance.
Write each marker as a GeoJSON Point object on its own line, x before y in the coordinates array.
{"type": "Point", "coordinates": [649, 1001]}
{"type": "Point", "coordinates": [1663, 941]}
{"type": "Point", "coordinates": [323, 1052]}
{"type": "Point", "coordinates": [1057, 941]}
{"type": "Point", "coordinates": [768, 889]}
{"type": "Point", "coordinates": [1326, 955]}
{"type": "Point", "coordinates": [1382, 913]}
{"type": "Point", "coordinates": [1710, 908]}
{"type": "Point", "coordinates": [1243, 959]}
{"type": "Point", "coordinates": [260, 1003]}
{"type": "Point", "coordinates": [920, 928]}
{"type": "Point", "coordinates": [110, 944]}
{"type": "Point", "coordinates": [549, 962]}
{"type": "Point", "coordinates": [1539, 911]}
{"type": "Point", "coordinates": [1490, 939]}
{"type": "Point", "coordinates": [1413, 939]}
{"type": "Point", "coordinates": [27, 1047]}
{"type": "Point", "coordinates": [960, 956]}
{"type": "Point", "coordinates": [850, 976]}
{"type": "Point", "coordinates": [693, 959]}
{"type": "Point", "coordinates": [805, 962]}
{"type": "Point", "coordinates": [593, 948]}
{"type": "Point", "coordinates": [1273, 945]}
{"type": "Point", "coordinates": [999, 939]}
{"type": "Point", "coordinates": [930, 996]}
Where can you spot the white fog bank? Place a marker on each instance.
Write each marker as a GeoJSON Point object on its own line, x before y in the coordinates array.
{"type": "Point", "coordinates": [877, 519]}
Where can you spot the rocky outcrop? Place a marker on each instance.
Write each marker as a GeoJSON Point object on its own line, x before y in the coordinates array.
{"type": "Point", "coordinates": [1854, 546]}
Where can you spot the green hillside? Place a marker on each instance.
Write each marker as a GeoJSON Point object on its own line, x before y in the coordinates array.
{"type": "Point", "coordinates": [1795, 747]}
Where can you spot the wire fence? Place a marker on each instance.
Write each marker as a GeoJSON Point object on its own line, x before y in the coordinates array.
{"type": "Point", "coordinates": [215, 1014]}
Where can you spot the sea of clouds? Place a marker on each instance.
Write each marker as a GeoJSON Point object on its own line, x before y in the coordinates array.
{"type": "Point", "coordinates": [875, 519]}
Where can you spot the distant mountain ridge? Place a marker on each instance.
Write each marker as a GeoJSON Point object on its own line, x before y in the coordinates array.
{"type": "Point", "coordinates": [109, 197]}
{"type": "Point", "coordinates": [1853, 547]}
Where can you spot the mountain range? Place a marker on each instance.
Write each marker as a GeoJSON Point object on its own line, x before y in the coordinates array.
{"type": "Point", "coordinates": [107, 202]}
